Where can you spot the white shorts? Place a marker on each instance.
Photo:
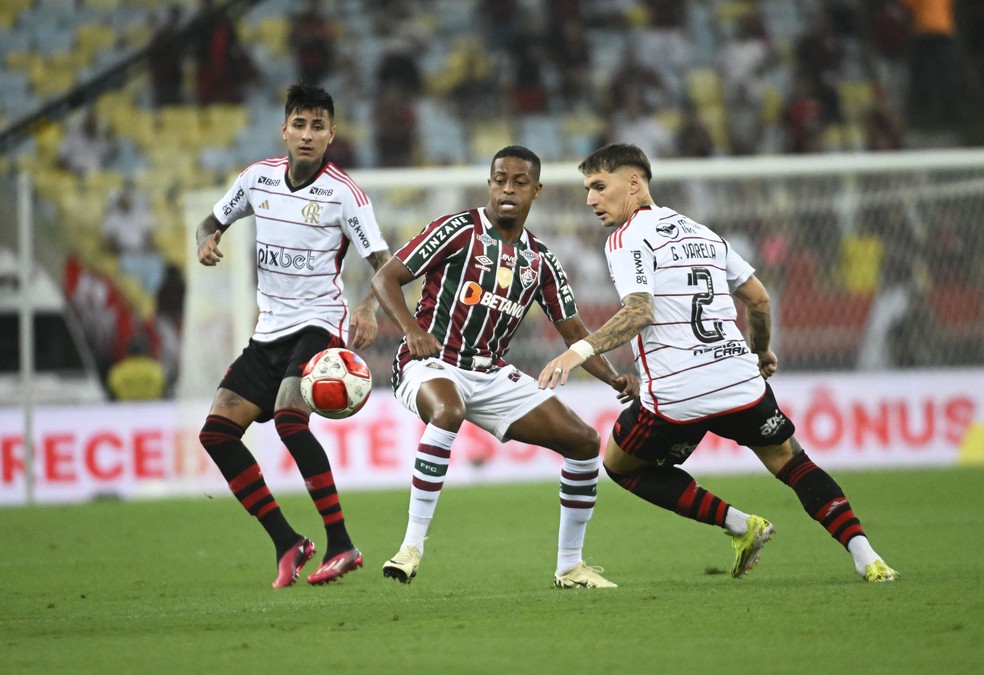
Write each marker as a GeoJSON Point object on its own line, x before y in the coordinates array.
{"type": "Point", "coordinates": [493, 401]}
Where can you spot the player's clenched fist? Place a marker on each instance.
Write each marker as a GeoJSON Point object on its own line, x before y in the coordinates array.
{"type": "Point", "coordinates": [208, 249]}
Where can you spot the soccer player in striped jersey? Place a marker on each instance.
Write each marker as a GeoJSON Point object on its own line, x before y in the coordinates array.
{"type": "Point", "coordinates": [308, 214]}
{"type": "Point", "coordinates": [482, 271]}
{"type": "Point", "coordinates": [676, 279]}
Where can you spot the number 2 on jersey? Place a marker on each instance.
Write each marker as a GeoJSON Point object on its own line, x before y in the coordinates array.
{"type": "Point", "coordinates": [701, 276]}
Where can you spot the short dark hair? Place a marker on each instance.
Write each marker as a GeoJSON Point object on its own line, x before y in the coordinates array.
{"type": "Point", "coordinates": [613, 157]}
{"type": "Point", "coordinates": [519, 152]}
{"type": "Point", "coordinates": [309, 97]}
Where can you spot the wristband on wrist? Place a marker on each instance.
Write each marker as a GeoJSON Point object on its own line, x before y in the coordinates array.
{"type": "Point", "coordinates": [584, 348]}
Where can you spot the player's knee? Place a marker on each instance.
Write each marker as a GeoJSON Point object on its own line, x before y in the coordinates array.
{"type": "Point", "coordinates": [289, 422]}
{"type": "Point", "coordinates": [585, 444]}
{"type": "Point", "coordinates": [620, 478]}
{"type": "Point", "coordinates": [219, 431]}
{"type": "Point", "coordinates": [447, 414]}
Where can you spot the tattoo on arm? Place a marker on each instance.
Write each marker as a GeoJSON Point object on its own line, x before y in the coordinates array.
{"type": "Point", "coordinates": [759, 330]}
{"type": "Point", "coordinates": [636, 314]}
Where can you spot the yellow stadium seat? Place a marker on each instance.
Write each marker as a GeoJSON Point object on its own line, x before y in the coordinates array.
{"type": "Point", "coordinates": [221, 122]}
{"type": "Point", "coordinates": [583, 123]}
{"type": "Point", "coordinates": [51, 182]}
{"type": "Point", "coordinates": [92, 38]}
{"type": "Point", "coordinates": [10, 9]}
{"type": "Point", "coordinates": [272, 33]}
{"type": "Point", "coordinates": [671, 118]}
{"type": "Point", "coordinates": [773, 104]}
{"type": "Point", "coordinates": [49, 140]}
{"type": "Point", "coordinates": [489, 137]}
{"type": "Point", "coordinates": [181, 126]}
{"type": "Point", "coordinates": [704, 86]}
{"type": "Point", "coordinates": [832, 138]}
{"type": "Point", "coordinates": [103, 182]}
{"type": "Point", "coordinates": [137, 124]}
{"type": "Point", "coordinates": [137, 35]}
{"type": "Point", "coordinates": [715, 118]}
{"type": "Point", "coordinates": [21, 60]}
{"type": "Point", "coordinates": [856, 98]}
{"type": "Point", "coordinates": [729, 10]}
{"type": "Point", "coordinates": [170, 241]}
{"type": "Point", "coordinates": [48, 81]}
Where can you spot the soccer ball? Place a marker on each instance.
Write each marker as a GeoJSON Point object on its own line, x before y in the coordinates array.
{"type": "Point", "coordinates": [336, 383]}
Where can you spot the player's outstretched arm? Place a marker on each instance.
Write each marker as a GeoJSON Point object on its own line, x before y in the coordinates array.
{"type": "Point", "coordinates": [208, 235]}
{"type": "Point", "coordinates": [636, 313]}
{"type": "Point", "coordinates": [626, 384]}
{"type": "Point", "coordinates": [363, 327]}
{"type": "Point", "coordinates": [387, 286]}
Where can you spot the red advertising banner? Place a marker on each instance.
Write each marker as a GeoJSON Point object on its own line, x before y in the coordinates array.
{"type": "Point", "coordinates": [845, 421]}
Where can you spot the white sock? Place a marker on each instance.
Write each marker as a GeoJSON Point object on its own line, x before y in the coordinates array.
{"type": "Point", "coordinates": [429, 470]}
{"type": "Point", "coordinates": [860, 549]}
{"type": "Point", "coordinates": [578, 492]}
{"type": "Point", "coordinates": [416, 532]}
{"type": "Point", "coordinates": [735, 521]}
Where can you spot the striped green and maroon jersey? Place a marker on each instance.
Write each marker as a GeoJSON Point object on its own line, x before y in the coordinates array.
{"type": "Point", "coordinates": [477, 288]}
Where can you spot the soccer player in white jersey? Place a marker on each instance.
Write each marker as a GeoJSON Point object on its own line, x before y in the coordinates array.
{"type": "Point", "coordinates": [676, 279]}
{"type": "Point", "coordinates": [308, 214]}
{"type": "Point", "coordinates": [482, 271]}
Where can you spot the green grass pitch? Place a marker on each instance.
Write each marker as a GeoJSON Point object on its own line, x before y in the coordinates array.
{"type": "Point", "coordinates": [183, 586]}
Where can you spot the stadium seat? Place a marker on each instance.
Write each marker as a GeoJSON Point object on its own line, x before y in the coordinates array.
{"type": "Point", "coordinates": [715, 118]}
{"type": "Point", "coordinates": [730, 10]}
{"type": "Point", "coordinates": [704, 87]}
{"type": "Point", "coordinates": [487, 138]}
{"type": "Point", "coordinates": [49, 139]}
{"type": "Point", "coordinates": [10, 10]}
{"type": "Point", "coordinates": [581, 132]}
{"type": "Point", "coordinates": [21, 59]}
{"type": "Point", "coordinates": [93, 38]}
{"type": "Point", "coordinates": [671, 118]}
{"type": "Point", "coordinates": [773, 105]}
{"type": "Point", "coordinates": [272, 33]}
{"type": "Point", "coordinates": [181, 125]}
{"type": "Point", "coordinates": [49, 79]}
{"type": "Point", "coordinates": [219, 123]}
{"type": "Point", "coordinates": [856, 98]}
{"type": "Point", "coordinates": [136, 124]}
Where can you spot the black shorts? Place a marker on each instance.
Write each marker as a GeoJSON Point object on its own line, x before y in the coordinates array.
{"type": "Point", "coordinates": [651, 438]}
{"type": "Point", "coordinates": [257, 373]}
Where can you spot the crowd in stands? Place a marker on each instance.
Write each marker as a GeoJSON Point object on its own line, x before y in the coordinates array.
{"type": "Point", "coordinates": [444, 82]}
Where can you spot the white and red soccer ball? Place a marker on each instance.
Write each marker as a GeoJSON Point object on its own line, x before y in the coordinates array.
{"type": "Point", "coordinates": [336, 383]}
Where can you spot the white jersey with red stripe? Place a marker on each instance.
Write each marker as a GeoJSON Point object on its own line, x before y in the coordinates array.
{"type": "Point", "coordinates": [302, 236]}
{"type": "Point", "coordinates": [693, 361]}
